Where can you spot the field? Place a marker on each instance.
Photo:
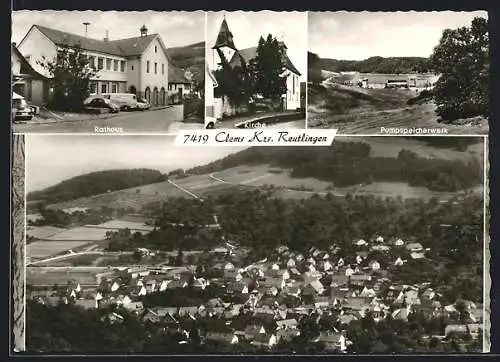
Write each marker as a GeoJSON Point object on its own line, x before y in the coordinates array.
{"type": "Point", "coordinates": [44, 249]}
{"type": "Point", "coordinates": [43, 232]}
{"type": "Point", "coordinates": [249, 177]}
{"type": "Point", "coordinates": [121, 224]}
{"type": "Point", "coordinates": [365, 111]}
{"type": "Point", "coordinates": [46, 276]}
{"type": "Point", "coordinates": [81, 233]}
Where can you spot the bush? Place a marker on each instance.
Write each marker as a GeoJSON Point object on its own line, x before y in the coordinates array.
{"type": "Point", "coordinates": [422, 97]}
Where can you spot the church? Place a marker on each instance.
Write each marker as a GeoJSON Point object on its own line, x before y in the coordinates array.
{"type": "Point", "coordinates": [225, 53]}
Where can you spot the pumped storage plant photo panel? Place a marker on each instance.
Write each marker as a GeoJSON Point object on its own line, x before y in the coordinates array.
{"type": "Point", "coordinates": [396, 72]}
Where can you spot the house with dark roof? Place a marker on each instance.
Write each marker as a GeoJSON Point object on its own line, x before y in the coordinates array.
{"type": "Point", "coordinates": [138, 65]}
{"type": "Point", "coordinates": [26, 81]}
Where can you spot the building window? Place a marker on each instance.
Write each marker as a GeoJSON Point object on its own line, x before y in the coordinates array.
{"type": "Point", "coordinates": [93, 87]}
{"type": "Point", "coordinates": [115, 65]}
{"type": "Point", "coordinates": [100, 63]}
{"type": "Point", "coordinates": [122, 66]}
{"type": "Point", "coordinates": [132, 67]}
{"type": "Point", "coordinates": [104, 88]}
{"type": "Point", "coordinates": [293, 83]}
{"type": "Point", "coordinates": [108, 64]}
{"type": "Point", "coordinates": [147, 66]}
{"type": "Point", "coordinates": [156, 49]}
{"type": "Point", "coordinates": [156, 67]}
{"type": "Point", "coordinates": [91, 60]}
{"type": "Point", "coordinates": [162, 68]}
{"type": "Point", "coordinates": [114, 87]}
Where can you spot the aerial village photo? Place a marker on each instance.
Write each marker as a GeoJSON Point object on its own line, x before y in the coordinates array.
{"type": "Point", "coordinates": [380, 72]}
{"type": "Point", "coordinates": [372, 245]}
{"type": "Point", "coordinates": [107, 72]}
{"type": "Point", "coordinates": [256, 69]}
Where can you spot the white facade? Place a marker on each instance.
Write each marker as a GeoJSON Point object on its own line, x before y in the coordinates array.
{"type": "Point", "coordinates": [145, 74]}
{"type": "Point", "coordinates": [154, 72]}
{"type": "Point", "coordinates": [34, 89]}
{"type": "Point", "coordinates": [292, 97]}
{"type": "Point", "coordinates": [35, 47]}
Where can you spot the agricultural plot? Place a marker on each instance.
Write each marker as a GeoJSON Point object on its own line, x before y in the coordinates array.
{"type": "Point", "coordinates": [44, 249]}
{"type": "Point", "coordinates": [81, 233]}
{"type": "Point", "coordinates": [43, 232]}
{"type": "Point", "coordinates": [114, 225]}
{"type": "Point", "coordinates": [197, 182]}
{"type": "Point", "coordinates": [37, 276]}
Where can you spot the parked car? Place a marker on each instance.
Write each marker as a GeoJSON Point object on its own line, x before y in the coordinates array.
{"type": "Point", "coordinates": [126, 101]}
{"type": "Point", "coordinates": [20, 108]}
{"type": "Point", "coordinates": [143, 104]}
{"type": "Point", "coordinates": [91, 98]}
{"type": "Point", "coordinates": [102, 103]}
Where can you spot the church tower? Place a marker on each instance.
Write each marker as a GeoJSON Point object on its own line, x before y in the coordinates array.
{"type": "Point", "coordinates": [224, 45]}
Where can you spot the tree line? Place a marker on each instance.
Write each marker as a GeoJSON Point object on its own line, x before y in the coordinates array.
{"type": "Point", "coordinates": [350, 163]}
{"type": "Point", "coordinates": [96, 183]}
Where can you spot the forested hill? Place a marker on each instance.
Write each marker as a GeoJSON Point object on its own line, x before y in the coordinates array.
{"type": "Point", "coordinates": [96, 183]}
{"type": "Point", "coordinates": [392, 65]}
{"type": "Point", "coordinates": [190, 56]}
{"type": "Point", "coordinates": [350, 163]}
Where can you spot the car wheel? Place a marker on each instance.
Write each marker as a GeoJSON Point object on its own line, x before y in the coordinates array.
{"type": "Point", "coordinates": [210, 125]}
{"type": "Point", "coordinates": [125, 108]}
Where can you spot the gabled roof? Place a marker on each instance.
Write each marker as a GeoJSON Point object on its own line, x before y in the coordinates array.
{"type": "Point", "coordinates": [134, 46]}
{"type": "Point", "coordinates": [26, 67]}
{"type": "Point", "coordinates": [121, 47]}
{"type": "Point", "coordinates": [250, 53]}
{"type": "Point", "coordinates": [225, 37]}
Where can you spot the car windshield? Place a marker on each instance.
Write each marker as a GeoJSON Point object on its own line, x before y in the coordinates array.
{"type": "Point", "coordinates": [19, 103]}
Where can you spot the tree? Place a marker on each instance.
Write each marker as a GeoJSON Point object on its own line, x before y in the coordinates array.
{"type": "Point", "coordinates": [314, 69]}
{"type": "Point", "coordinates": [462, 59]}
{"type": "Point", "coordinates": [71, 74]}
{"type": "Point", "coordinates": [234, 82]}
{"type": "Point", "coordinates": [266, 69]}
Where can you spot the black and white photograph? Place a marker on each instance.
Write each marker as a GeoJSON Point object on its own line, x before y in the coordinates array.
{"type": "Point", "coordinates": [256, 69]}
{"type": "Point", "coordinates": [107, 72]}
{"type": "Point", "coordinates": [372, 245]}
{"type": "Point", "coordinates": [394, 72]}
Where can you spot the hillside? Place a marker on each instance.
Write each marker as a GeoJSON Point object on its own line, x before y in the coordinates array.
{"type": "Point", "coordinates": [350, 163]}
{"type": "Point", "coordinates": [392, 65]}
{"type": "Point", "coordinates": [192, 56]}
{"type": "Point", "coordinates": [96, 183]}
{"type": "Point", "coordinates": [410, 168]}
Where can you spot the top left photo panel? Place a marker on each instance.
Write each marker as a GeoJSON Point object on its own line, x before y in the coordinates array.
{"type": "Point", "coordinates": [107, 72]}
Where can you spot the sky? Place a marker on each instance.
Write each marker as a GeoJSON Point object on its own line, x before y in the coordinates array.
{"type": "Point", "coordinates": [360, 35]}
{"type": "Point", "coordinates": [248, 27]}
{"type": "Point", "coordinates": [176, 28]}
{"type": "Point", "coordinates": [51, 159]}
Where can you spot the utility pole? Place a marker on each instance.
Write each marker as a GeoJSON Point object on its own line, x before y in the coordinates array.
{"type": "Point", "coordinates": [86, 23]}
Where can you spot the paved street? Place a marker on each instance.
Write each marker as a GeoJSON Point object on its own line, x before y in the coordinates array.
{"type": "Point", "coordinates": [295, 124]}
{"type": "Point", "coordinates": [153, 121]}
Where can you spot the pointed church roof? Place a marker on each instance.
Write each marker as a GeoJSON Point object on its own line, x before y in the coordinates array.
{"type": "Point", "coordinates": [225, 37]}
